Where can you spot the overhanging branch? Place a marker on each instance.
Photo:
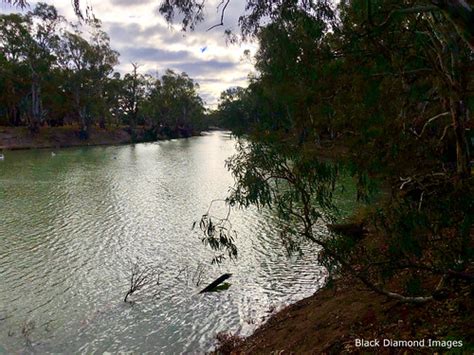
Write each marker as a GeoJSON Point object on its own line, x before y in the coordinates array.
{"type": "Point", "coordinates": [222, 15]}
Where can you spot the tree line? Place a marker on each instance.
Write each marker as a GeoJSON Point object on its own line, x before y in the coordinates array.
{"type": "Point", "coordinates": [55, 73]}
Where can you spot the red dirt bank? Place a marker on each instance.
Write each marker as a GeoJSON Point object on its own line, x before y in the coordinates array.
{"type": "Point", "coordinates": [330, 321]}
{"type": "Point", "coordinates": [12, 138]}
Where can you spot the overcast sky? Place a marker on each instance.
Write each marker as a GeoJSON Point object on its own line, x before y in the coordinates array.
{"type": "Point", "coordinates": [140, 34]}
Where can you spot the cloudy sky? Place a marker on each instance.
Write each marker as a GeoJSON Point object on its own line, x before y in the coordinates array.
{"type": "Point", "coordinates": [141, 35]}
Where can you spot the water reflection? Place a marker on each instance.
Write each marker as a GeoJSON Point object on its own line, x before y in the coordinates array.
{"type": "Point", "coordinates": [71, 223]}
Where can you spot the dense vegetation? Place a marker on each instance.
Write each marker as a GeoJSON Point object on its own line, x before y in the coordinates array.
{"type": "Point", "coordinates": [55, 73]}
{"type": "Point", "coordinates": [385, 89]}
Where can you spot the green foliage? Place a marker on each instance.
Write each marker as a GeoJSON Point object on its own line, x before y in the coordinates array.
{"type": "Point", "coordinates": [384, 89]}
{"type": "Point", "coordinates": [218, 234]}
{"type": "Point", "coordinates": [53, 73]}
{"type": "Point", "coordinates": [173, 102]}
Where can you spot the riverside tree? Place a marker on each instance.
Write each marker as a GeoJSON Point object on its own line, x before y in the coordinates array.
{"type": "Point", "coordinates": [54, 72]}
{"type": "Point", "coordinates": [391, 85]}
{"type": "Point", "coordinates": [87, 65]}
{"type": "Point", "coordinates": [173, 104]}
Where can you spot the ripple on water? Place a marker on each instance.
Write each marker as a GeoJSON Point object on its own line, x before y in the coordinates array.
{"type": "Point", "coordinates": [71, 228]}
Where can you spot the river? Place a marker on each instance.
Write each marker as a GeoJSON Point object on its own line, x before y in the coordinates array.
{"type": "Point", "coordinates": [72, 223]}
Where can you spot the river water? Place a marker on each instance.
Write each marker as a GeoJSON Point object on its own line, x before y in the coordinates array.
{"type": "Point", "coordinates": [72, 224]}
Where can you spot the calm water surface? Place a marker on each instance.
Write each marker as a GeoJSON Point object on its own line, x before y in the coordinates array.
{"type": "Point", "coordinates": [71, 224]}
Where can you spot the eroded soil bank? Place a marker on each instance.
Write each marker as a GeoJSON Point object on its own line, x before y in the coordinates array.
{"type": "Point", "coordinates": [333, 319]}
{"type": "Point", "coordinates": [15, 138]}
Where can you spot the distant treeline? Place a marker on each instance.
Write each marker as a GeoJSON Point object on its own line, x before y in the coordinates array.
{"type": "Point", "coordinates": [55, 73]}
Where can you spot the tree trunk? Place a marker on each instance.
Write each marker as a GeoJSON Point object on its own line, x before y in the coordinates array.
{"type": "Point", "coordinates": [102, 121]}
{"type": "Point", "coordinates": [461, 15]}
{"type": "Point", "coordinates": [459, 115]}
{"type": "Point", "coordinates": [35, 104]}
{"type": "Point", "coordinates": [212, 286]}
{"type": "Point", "coordinates": [103, 110]}
{"type": "Point", "coordinates": [13, 115]}
{"type": "Point", "coordinates": [81, 112]}
{"type": "Point", "coordinates": [84, 134]}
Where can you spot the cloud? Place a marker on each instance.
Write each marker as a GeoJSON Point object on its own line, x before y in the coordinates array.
{"type": "Point", "coordinates": [128, 3]}
{"type": "Point", "coordinates": [229, 81]}
{"type": "Point", "coordinates": [206, 67]}
{"type": "Point", "coordinates": [122, 33]}
{"type": "Point", "coordinates": [152, 54]}
{"type": "Point", "coordinates": [141, 35]}
{"type": "Point", "coordinates": [155, 34]}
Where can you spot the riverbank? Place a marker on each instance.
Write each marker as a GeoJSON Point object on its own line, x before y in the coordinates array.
{"type": "Point", "coordinates": [15, 138]}
{"type": "Point", "coordinates": [331, 321]}
{"type": "Point", "coordinates": [18, 138]}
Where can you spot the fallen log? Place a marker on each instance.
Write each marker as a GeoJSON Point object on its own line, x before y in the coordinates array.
{"type": "Point", "coordinates": [213, 285]}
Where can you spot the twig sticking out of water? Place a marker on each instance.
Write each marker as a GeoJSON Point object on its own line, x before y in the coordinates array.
{"type": "Point", "coordinates": [196, 278]}
{"type": "Point", "coordinates": [141, 276]}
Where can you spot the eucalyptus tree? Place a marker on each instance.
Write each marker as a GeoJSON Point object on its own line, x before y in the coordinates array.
{"type": "Point", "coordinates": [102, 61]}
{"type": "Point", "coordinates": [29, 46]}
{"type": "Point", "coordinates": [459, 12]}
{"type": "Point", "coordinates": [398, 95]}
{"type": "Point", "coordinates": [174, 103]}
{"type": "Point", "coordinates": [40, 54]}
{"type": "Point", "coordinates": [179, 92]}
{"type": "Point", "coordinates": [13, 71]}
{"type": "Point", "coordinates": [133, 85]}
{"type": "Point", "coordinates": [87, 65]}
{"type": "Point", "coordinates": [74, 62]}
{"type": "Point", "coordinates": [61, 66]}
{"type": "Point", "coordinates": [232, 109]}
{"type": "Point", "coordinates": [385, 78]}
{"type": "Point", "coordinates": [113, 91]}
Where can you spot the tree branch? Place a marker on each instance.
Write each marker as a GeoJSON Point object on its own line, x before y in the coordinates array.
{"type": "Point", "coordinates": [410, 10]}
{"type": "Point", "coordinates": [461, 15]}
{"type": "Point", "coordinates": [431, 120]}
{"type": "Point", "coordinates": [222, 15]}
